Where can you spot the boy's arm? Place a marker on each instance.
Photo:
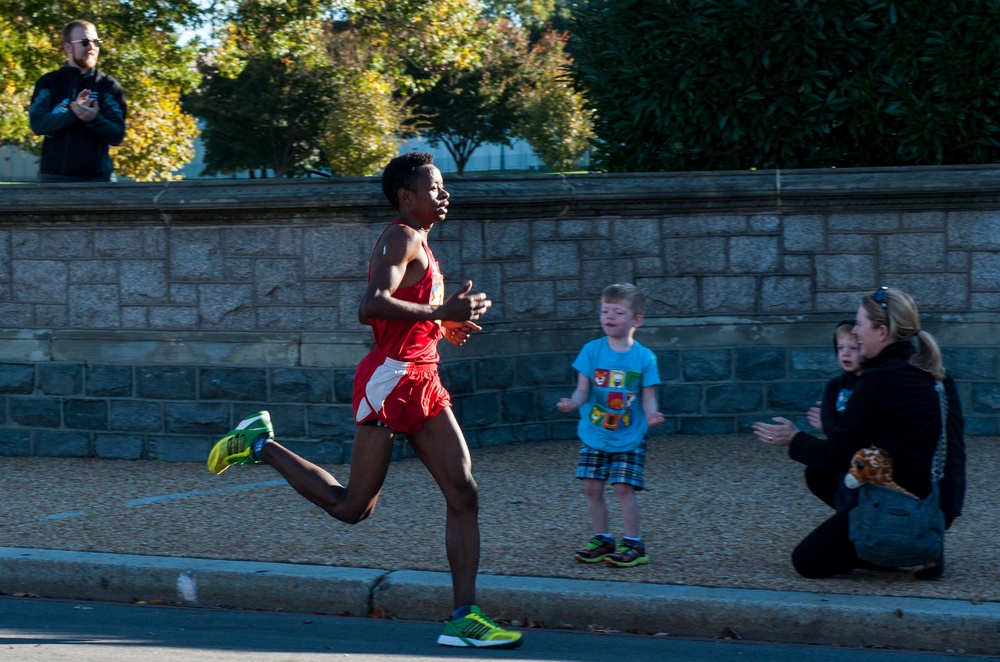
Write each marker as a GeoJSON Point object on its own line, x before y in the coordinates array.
{"type": "Point", "coordinates": [651, 407]}
{"type": "Point", "coordinates": [579, 396]}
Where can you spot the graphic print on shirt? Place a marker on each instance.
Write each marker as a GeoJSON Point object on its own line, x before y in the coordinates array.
{"type": "Point", "coordinates": [612, 409]}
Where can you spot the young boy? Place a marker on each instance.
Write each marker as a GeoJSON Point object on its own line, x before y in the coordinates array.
{"type": "Point", "coordinates": [825, 416]}
{"type": "Point", "coordinates": [616, 396]}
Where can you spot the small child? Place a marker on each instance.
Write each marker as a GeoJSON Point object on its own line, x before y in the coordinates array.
{"type": "Point", "coordinates": [616, 396]}
{"type": "Point", "coordinates": [825, 416]}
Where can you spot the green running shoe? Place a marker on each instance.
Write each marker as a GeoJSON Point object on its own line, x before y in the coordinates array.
{"type": "Point", "coordinates": [234, 448]}
{"type": "Point", "coordinates": [475, 630]}
{"type": "Point", "coordinates": [596, 550]}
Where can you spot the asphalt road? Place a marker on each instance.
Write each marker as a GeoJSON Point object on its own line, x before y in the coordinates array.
{"type": "Point", "coordinates": [49, 630]}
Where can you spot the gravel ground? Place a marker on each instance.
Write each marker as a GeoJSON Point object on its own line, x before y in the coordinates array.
{"type": "Point", "coordinates": [720, 511]}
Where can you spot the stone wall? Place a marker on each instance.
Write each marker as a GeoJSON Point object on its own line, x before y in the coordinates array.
{"type": "Point", "coordinates": [143, 320]}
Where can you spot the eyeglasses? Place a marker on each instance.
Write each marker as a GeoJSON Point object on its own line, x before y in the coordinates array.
{"type": "Point", "coordinates": [85, 42]}
{"type": "Point", "coordinates": [881, 298]}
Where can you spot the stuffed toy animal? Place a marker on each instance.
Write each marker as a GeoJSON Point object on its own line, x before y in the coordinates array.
{"type": "Point", "coordinates": [872, 465]}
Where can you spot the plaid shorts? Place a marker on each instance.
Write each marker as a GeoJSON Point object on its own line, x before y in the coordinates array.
{"type": "Point", "coordinates": [626, 467]}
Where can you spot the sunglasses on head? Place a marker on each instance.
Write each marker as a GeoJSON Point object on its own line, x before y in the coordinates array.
{"type": "Point", "coordinates": [881, 297]}
{"type": "Point", "coordinates": [86, 42]}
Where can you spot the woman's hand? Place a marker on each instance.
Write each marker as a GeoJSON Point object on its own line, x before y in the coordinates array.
{"type": "Point", "coordinates": [779, 433]}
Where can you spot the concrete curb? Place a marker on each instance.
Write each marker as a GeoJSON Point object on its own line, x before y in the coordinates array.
{"type": "Point", "coordinates": [687, 611]}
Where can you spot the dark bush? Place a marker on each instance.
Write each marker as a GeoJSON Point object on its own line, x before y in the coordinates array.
{"type": "Point", "coordinates": [735, 84]}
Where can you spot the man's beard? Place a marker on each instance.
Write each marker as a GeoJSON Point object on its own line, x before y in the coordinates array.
{"type": "Point", "coordinates": [85, 62]}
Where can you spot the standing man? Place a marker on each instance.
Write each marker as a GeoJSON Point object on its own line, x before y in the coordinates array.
{"type": "Point", "coordinates": [397, 389]}
{"type": "Point", "coordinates": [80, 110]}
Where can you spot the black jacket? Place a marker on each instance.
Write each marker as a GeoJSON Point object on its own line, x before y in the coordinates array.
{"type": "Point", "coordinates": [895, 407]}
{"type": "Point", "coordinates": [73, 148]}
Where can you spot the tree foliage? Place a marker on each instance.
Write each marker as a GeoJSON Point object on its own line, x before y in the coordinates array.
{"type": "Point", "coordinates": [731, 84]}
{"type": "Point", "coordinates": [141, 50]}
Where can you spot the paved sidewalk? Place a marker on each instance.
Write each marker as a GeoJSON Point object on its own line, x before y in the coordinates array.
{"type": "Point", "coordinates": [720, 517]}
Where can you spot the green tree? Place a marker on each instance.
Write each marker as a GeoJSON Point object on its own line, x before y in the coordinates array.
{"type": "Point", "coordinates": [466, 109]}
{"type": "Point", "coordinates": [141, 50]}
{"type": "Point", "coordinates": [554, 117]}
{"type": "Point", "coordinates": [732, 84]}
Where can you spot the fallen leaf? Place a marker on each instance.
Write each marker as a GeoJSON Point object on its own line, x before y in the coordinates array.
{"type": "Point", "coordinates": [729, 633]}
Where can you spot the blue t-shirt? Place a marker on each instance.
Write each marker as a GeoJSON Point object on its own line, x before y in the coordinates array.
{"type": "Point", "coordinates": [612, 418]}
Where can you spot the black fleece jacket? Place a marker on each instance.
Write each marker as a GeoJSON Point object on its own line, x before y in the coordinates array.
{"type": "Point", "coordinates": [895, 407]}
{"type": "Point", "coordinates": [72, 147]}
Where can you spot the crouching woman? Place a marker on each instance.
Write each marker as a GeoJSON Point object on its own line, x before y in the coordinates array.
{"type": "Point", "coordinates": [895, 407]}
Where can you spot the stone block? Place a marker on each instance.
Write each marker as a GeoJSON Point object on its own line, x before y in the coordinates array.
{"type": "Point", "coordinates": [334, 422]}
{"type": "Point", "coordinates": [984, 301]}
{"type": "Point", "coordinates": [670, 296]}
{"type": "Point", "coordinates": [118, 243]}
{"type": "Point", "coordinates": [699, 225]}
{"type": "Point", "coordinates": [49, 443]}
{"type": "Point", "coordinates": [555, 259]}
{"type": "Point", "coordinates": [318, 452]}
{"type": "Point", "coordinates": [81, 414]}
{"type": "Point", "coordinates": [760, 363]}
{"type": "Point", "coordinates": [732, 398]}
{"type": "Point", "coordinates": [986, 398]}
{"type": "Point", "coordinates": [478, 409]}
{"type": "Point", "coordinates": [812, 363]}
{"type": "Point", "coordinates": [786, 294]}
{"type": "Point", "coordinates": [134, 416]}
{"type": "Point", "coordinates": [527, 299]}
{"type": "Point", "coordinates": [863, 222]}
{"type": "Point", "coordinates": [35, 412]}
{"type": "Point", "coordinates": [706, 365]}
{"type": "Point", "coordinates": [179, 449]}
{"type": "Point", "coordinates": [765, 223]}
{"type": "Point", "coordinates": [289, 421]}
{"type": "Point", "coordinates": [668, 363]}
{"type": "Point", "coordinates": [233, 384]}
{"type": "Point", "coordinates": [301, 385]}
{"type": "Point", "coordinates": [14, 443]}
{"type": "Point", "coordinates": [753, 255]}
{"type": "Point", "coordinates": [289, 241]}
{"type": "Point", "coordinates": [20, 315]}
{"type": "Point", "coordinates": [728, 294]}
{"type": "Point", "coordinates": [154, 242]}
{"type": "Point", "coordinates": [496, 436]}
{"type": "Point", "coordinates": [932, 291]}
{"type": "Point", "coordinates": [680, 399]}
{"type": "Point", "coordinates": [227, 306]}
{"type": "Point", "coordinates": [582, 228]}
{"type": "Point", "coordinates": [611, 270]}
{"type": "Point", "coordinates": [533, 432]}
{"type": "Point", "coordinates": [250, 241]}
{"type": "Point", "coordinates": [517, 406]}
{"type": "Point", "coordinates": [842, 303]}
{"type": "Point", "coordinates": [974, 229]}
{"type": "Point", "coordinates": [457, 377]}
{"type": "Point", "coordinates": [912, 251]}
{"type": "Point", "coordinates": [113, 381]}
{"type": "Point", "coordinates": [173, 317]}
{"type": "Point", "coordinates": [703, 425]}
{"type": "Point", "coordinates": [957, 261]}
{"type": "Point", "coordinates": [298, 318]}
{"type": "Point", "coordinates": [183, 293]}
{"type": "Point", "coordinates": [985, 272]}
{"type": "Point", "coordinates": [196, 255]}
{"type": "Point", "coordinates": [94, 307]}
{"type": "Point", "coordinates": [797, 264]}
{"type": "Point", "coordinates": [93, 271]}
{"type": "Point", "coordinates": [507, 240]}
{"type": "Point", "coordinates": [636, 236]}
{"type": "Point", "coordinates": [495, 373]}
{"type": "Point", "coordinates": [976, 426]}
{"type": "Point", "coordinates": [339, 251]}
{"type": "Point", "coordinates": [922, 220]}
{"type": "Point", "coordinates": [343, 385]}
{"type": "Point", "coordinates": [51, 242]}
{"type": "Point", "coordinates": [278, 281]}
{"type": "Point", "coordinates": [166, 382]}
{"type": "Point", "coordinates": [695, 255]}
{"type": "Point", "coordinates": [846, 271]}
{"type": "Point", "coordinates": [46, 316]}
{"type": "Point", "coordinates": [135, 317]}
{"type": "Point", "coordinates": [119, 446]}
{"type": "Point", "coordinates": [803, 234]}
{"type": "Point", "coordinates": [794, 396]}
{"type": "Point", "coordinates": [60, 378]}
{"type": "Point", "coordinates": [545, 370]}
{"type": "Point", "coordinates": [966, 363]}
{"type": "Point", "coordinates": [144, 282]}
{"type": "Point", "coordinates": [321, 291]}
{"type": "Point", "coordinates": [198, 418]}
{"type": "Point", "coordinates": [545, 403]}
{"type": "Point", "coordinates": [40, 281]}
{"type": "Point", "coordinates": [471, 233]}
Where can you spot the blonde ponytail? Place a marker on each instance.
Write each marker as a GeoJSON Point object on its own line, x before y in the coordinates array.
{"type": "Point", "coordinates": [928, 356]}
